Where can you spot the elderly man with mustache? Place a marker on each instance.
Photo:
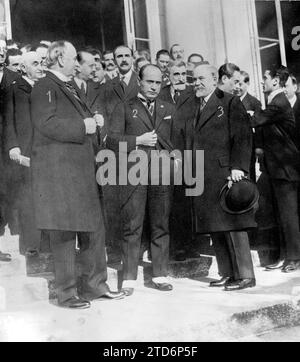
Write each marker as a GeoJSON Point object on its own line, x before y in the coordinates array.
{"type": "Point", "coordinates": [178, 86]}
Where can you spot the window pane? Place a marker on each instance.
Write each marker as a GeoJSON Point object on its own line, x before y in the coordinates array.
{"type": "Point", "coordinates": [267, 28]}
{"type": "Point", "coordinates": [140, 19]}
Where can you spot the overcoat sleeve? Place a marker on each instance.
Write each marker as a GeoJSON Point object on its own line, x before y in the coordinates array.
{"type": "Point", "coordinates": [9, 127]}
{"type": "Point", "coordinates": [240, 136]}
{"type": "Point", "coordinates": [45, 116]}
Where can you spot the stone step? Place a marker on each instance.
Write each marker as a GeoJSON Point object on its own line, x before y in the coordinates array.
{"type": "Point", "coordinates": [17, 292]}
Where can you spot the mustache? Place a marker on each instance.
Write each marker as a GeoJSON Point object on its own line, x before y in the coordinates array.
{"type": "Point", "coordinates": [180, 82]}
{"type": "Point", "coordinates": [124, 63]}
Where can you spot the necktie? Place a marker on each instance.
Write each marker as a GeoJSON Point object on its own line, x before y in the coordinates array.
{"type": "Point", "coordinates": [176, 96]}
{"type": "Point", "coordinates": [72, 90]}
{"type": "Point", "coordinates": [123, 83]}
{"type": "Point", "coordinates": [199, 110]}
{"type": "Point", "coordinates": [202, 104]}
{"type": "Point", "coordinates": [150, 106]}
{"type": "Point", "coordinates": [82, 88]}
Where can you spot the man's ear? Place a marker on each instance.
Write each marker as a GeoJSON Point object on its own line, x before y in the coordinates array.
{"type": "Point", "coordinates": [23, 68]}
{"type": "Point", "coordinates": [276, 81]}
{"type": "Point", "coordinates": [60, 61]}
{"type": "Point", "coordinates": [224, 78]}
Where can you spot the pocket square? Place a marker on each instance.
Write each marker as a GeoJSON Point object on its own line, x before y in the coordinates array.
{"type": "Point", "coordinates": [168, 117]}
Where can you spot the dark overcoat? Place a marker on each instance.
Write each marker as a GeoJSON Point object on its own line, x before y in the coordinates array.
{"type": "Point", "coordinates": [224, 134]}
{"type": "Point", "coordinates": [8, 78]}
{"type": "Point", "coordinates": [277, 124]}
{"type": "Point", "coordinates": [63, 167]}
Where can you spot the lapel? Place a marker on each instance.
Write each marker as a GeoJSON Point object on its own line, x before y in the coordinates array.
{"type": "Point", "coordinates": [118, 88]}
{"type": "Point", "coordinates": [24, 85]}
{"type": "Point", "coordinates": [184, 97]}
{"type": "Point", "coordinates": [93, 92]}
{"type": "Point", "coordinates": [209, 110]}
{"type": "Point", "coordinates": [160, 111]}
{"type": "Point", "coordinates": [82, 96]}
{"type": "Point", "coordinates": [131, 86]}
{"type": "Point", "coordinates": [139, 111]}
{"type": "Point", "coordinates": [67, 93]}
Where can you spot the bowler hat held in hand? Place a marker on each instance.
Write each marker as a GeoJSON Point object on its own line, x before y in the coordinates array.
{"type": "Point", "coordinates": [240, 198]}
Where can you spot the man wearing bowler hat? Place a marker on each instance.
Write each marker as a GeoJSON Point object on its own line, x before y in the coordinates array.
{"type": "Point", "coordinates": [220, 128]}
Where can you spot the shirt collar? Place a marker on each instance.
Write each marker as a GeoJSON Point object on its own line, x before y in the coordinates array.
{"type": "Point", "coordinates": [293, 100]}
{"type": "Point", "coordinates": [59, 75]}
{"type": "Point", "coordinates": [144, 100]}
{"type": "Point", "coordinates": [28, 80]}
{"type": "Point", "coordinates": [126, 76]}
{"type": "Point", "coordinates": [206, 99]}
{"type": "Point", "coordinates": [79, 82]}
{"type": "Point", "coordinates": [243, 96]}
{"type": "Point", "coordinates": [273, 94]}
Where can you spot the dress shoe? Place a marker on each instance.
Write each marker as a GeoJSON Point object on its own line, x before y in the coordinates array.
{"type": "Point", "coordinates": [127, 291]}
{"type": "Point", "coordinates": [109, 295]}
{"type": "Point", "coordinates": [5, 256]}
{"type": "Point", "coordinates": [278, 265]}
{"type": "Point", "coordinates": [291, 266]}
{"type": "Point", "coordinates": [180, 256]}
{"type": "Point", "coordinates": [31, 253]}
{"type": "Point", "coordinates": [222, 282]}
{"type": "Point", "coordinates": [164, 287]}
{"type": "Point", "coordinates": [75, 303]}
{"type": "Point", "coordinates": [240, 284]}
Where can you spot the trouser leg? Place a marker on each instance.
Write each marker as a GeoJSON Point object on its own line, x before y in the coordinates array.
{"type": "Point", "coordinates": [132, 214]}
{"type": "Point", "coordinates": [223, 255]}
{"type": "Point", "coordinates": [286, 194]}
{"type": "Point", "coordinates": [238, 243]}
{"type": "Point", "coordinates": [92, 261]}
{"type": "Point", "coordinates": [159, 203]}
{"type": "Point", "coordinates": [63, 249]}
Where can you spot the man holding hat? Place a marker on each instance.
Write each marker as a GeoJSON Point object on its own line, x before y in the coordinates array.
{"type": "Point", "coordinates": [220, 128]}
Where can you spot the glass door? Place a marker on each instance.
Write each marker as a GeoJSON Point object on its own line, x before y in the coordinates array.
{"type": "Point", "coordinates": [142, 25]}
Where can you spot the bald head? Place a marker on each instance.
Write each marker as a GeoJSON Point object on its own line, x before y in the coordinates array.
{"type": "Point", "coordinates": [205, 79]}
{"type": "Point", "coordinates": [31, 65]}
{"type": "Point", "coordinates": [87, 65]}
{"type": "Point", "coordinates": [150, 78]}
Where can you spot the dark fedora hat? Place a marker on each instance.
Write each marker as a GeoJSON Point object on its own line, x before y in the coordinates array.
{"type": "Point", "coordinates": [240, 198]}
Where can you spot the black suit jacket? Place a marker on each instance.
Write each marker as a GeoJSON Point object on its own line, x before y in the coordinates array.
{"type": "Point", "coordinates": [132, 119]}
{"type": "Point", "coordinates": [8, 78]}
{"type": "Point", "coordinates": [251, 103]}
{"type": "Point", "coordinates": [281, 155]}
{"type": "Point", "coordinates": [17, 119]}
{"type": "Point", "coordinates": [114, 93]}
{"type": "Point", "coordinates": [296, 110]}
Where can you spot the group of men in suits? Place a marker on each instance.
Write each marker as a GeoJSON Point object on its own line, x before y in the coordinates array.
{"type": "Point", "coordinates": [60, 120]}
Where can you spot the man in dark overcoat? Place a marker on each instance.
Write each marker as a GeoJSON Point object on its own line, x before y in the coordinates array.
{"type": "Point", "coordinates": [281, 161]}
{"type": "Point", "coordinates": [221, 129]}
{"type": "Point", "coordinates": [8, 213]}
{"type": "Point", "coordinates": [144, 123]}
{"type": "Point", "coordinates": [18, 140]}
{"type": "Point", "coordinates": [65, 191]}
